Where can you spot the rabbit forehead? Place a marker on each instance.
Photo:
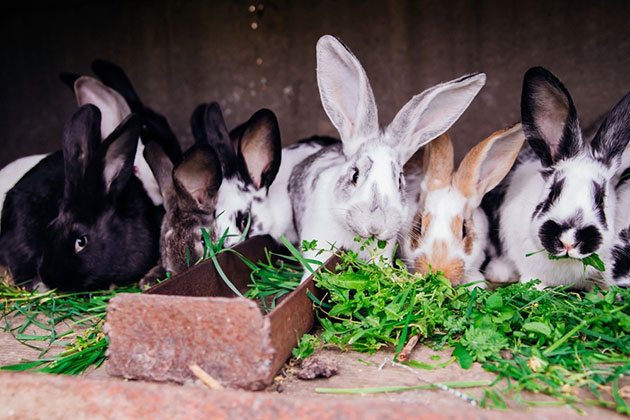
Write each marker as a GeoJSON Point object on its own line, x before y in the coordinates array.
{"type": "Point", "coordinates": [576, 179]}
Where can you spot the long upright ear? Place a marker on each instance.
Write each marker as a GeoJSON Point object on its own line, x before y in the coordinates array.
{"type": "Point", "coordinates": [115, 77]}
{"type": "Point", "coordinates": [198, 124]}
{"type": "Point", "coordinates": [429, 114]}
{"type": "Point", "coordinates": [119, 151]}
{"type": "Point", "coordinates": [197, 178]}
{"type": "Point", "coordinates": [438, 163]}
{"type": "Point", "coordinates": [610, 142]}
{"type": "Point", "coordinates": [549, 117]}
{"type": "Point", "coordinates": [81, 138]}
{"type": "Point", "coordinates": [113, 107]}
{"type": "Point", "coordinates": [260, 148]}
{"type": "Point", "coordinates": [217, 136]}
{"type": "Point", "coordinates": [345, 93]}
{"type": "Point", "coordinates": [162, 169]}
{"type": "Point", "coordinates": [155, 126]}
{"type": "Point", "coordinates": [486, 164]}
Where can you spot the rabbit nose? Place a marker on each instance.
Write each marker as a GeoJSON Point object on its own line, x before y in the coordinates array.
{"type": "Point", "coordinates": [567, 246]}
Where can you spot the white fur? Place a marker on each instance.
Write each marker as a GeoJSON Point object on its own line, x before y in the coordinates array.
{"type": "Point", "coordinates": [519, 232]}
{"type": "Point", "coordinates": [14, 171]}
{"type": "Point", "coordinates": [274, 213]}
{"type": "Point", "coordinates": [335, 209]}
{"type": "Point", "coordinates": [114, 109]}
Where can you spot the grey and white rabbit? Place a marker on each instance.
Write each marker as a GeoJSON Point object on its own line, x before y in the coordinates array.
{"type": "Point", "coordinates": [560, 196]}
{"type": "Point", "coordinates": [80, 219]}
{"type": "Point", "coordinates": [357, 188]}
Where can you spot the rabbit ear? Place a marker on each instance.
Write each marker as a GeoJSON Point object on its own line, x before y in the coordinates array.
{"type": "Point", "coordinates": [113, 107]}
{"type": "Point", "coordinates": [197, 178]}
{"type": "Point", "coordinates": [81, 138]}
{"type": "Point", "coordinates": [611, 141]}
{"type": "Point", "coordinates": [438, 161]}
{"type": "Point", "coordinates": [216, 134]}
{"type": "Point", "coordinates": [549, 117]}
{"type": "Point", "coordinates": [119, 153]}
{"type": "Point", "coordinates": [114, 77]}
{"type": "Point", "coordinates": [259, 148]}
{"type": "Point", "coordinates": [486, 164]}
{"type": "Point", "coordinates": [432, 112]}
{"type": "Point", "coordinates": [198, 125]}
{"type": "Point", "coordinates": [162, 169]}
{"type": "Point", "coordinates": [345, 93]}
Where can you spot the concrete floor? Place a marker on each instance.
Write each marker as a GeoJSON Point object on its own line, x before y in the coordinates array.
{"type": "Point", "coordinates": [355, 371]}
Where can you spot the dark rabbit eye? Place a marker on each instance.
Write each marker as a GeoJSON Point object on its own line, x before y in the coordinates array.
{"type": "Point", "coordinates": [80, 243]}
{"type": "Point", "coordinates": [464, 231]}
{"type": "Point", "coordinates": [355, 175]}
{"type": "Point", "coordinates": [241, 220]}
{"type": "Point", "coordinates": [400, 181]}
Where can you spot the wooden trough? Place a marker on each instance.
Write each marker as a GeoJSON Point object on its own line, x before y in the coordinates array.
{"type": "Point", "coordinates": [194, 318]}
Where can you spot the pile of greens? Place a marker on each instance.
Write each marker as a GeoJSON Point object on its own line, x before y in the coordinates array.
{"type": "Point", "coordinates": [555, 342]}
{"type": "Point", "coordinates": [49, 320]}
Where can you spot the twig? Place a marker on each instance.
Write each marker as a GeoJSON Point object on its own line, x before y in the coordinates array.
{"type": "Point", "coordinates": [404, 354]}
{"type": "Point", "coordinates": [205, 377]}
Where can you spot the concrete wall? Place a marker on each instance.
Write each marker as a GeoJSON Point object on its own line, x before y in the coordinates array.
{"type": "Point", "coordinates": [180, 53]}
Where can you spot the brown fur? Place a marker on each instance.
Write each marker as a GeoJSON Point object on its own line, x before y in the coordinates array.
{"type": "Point", "coordinates": [469, 179]}
{"type": "Point", "coordinates": [439, 162]}
{"type": "Point", "coordinates": [453, 269]}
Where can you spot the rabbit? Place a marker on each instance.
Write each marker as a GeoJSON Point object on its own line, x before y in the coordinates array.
{"type": "Point", "coordinates": [114, 108]}
{"type": "Point", "coordinates": [357, 188]}
{"type": "Point", "coordinates": [254, 144]}
{"type": "Point", "coordinates": [449, 232]}
{"type": "Point", "coordinates": [117, 88]}
{"type": "Point", "coordinates": [559, 197]}
{"type": "Point", "coordinates": [190, 191]}
{"type": "Point", "coordinates": [80, 219]}
{"type": "Point", "coordinates": [617, 261]}
{"type": "Point", "coordinates": [250, 159]}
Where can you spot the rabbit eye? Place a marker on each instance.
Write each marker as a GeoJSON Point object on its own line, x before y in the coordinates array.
{"type": "Point", "coordinates": [464, 231]}
{"type": "Point", "coordinates": [241, 220]}
{"type": "Point", "coordinates": [80, 243]}
{"type": "Point", "coordinates": [355, 175]}
{"type": "Point", "coordinates": [400, 181]}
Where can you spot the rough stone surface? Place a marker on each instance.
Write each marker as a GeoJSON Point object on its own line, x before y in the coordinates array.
{"type": "Point", "coordinates": [318, 367]}
{"type": "Point", "coordinates": [46, 396]}
{"type": "Point", "coordinates": [158, 337]}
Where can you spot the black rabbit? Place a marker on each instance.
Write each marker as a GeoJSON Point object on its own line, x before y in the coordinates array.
{"type": "Point", "coordinates": [80, 219]}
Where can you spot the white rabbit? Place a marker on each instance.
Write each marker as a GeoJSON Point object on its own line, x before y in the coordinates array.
{"type": "Point", "coordinates": [560, 195]}
{"type": "Point", "coordinates": [449, 232]}
{"type": "Point", "coordinates": [357, 188]}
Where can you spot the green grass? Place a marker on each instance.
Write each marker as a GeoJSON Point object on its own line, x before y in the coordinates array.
{"type": "Point", "coordinates": [49, 320]}
{"type": "Point", "coordinates": [555, 342]}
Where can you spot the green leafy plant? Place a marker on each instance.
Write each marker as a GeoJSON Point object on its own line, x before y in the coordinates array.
{"type": "Point", "coordinates": [592, 260]}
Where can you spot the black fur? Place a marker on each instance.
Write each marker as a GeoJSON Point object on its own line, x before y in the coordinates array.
{"type": "Point", "coordinates": [155, 126]}
{"type": "Point", "coordinates": [614, 134]}
{"type": "Point", "coordinates": [588, 239]}
{"type": "Point", "coordinates": [554, 194]}
{"type": "Point", "coordinates": [539, 82]}
{"type": "Point", "coordinates": [599, 195]}
{"type": "Point", "coordinates": [61, 199]}
{"type": "Point", "coordinates": [621, 256]}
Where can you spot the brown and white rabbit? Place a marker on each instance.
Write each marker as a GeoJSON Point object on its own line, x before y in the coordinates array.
{"type": "Point", "coordinates": [560, 196]}
{"type": "Point", "coordinates": [449, 231]}
{"type": "Point", "coordinates": [358, 187]}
